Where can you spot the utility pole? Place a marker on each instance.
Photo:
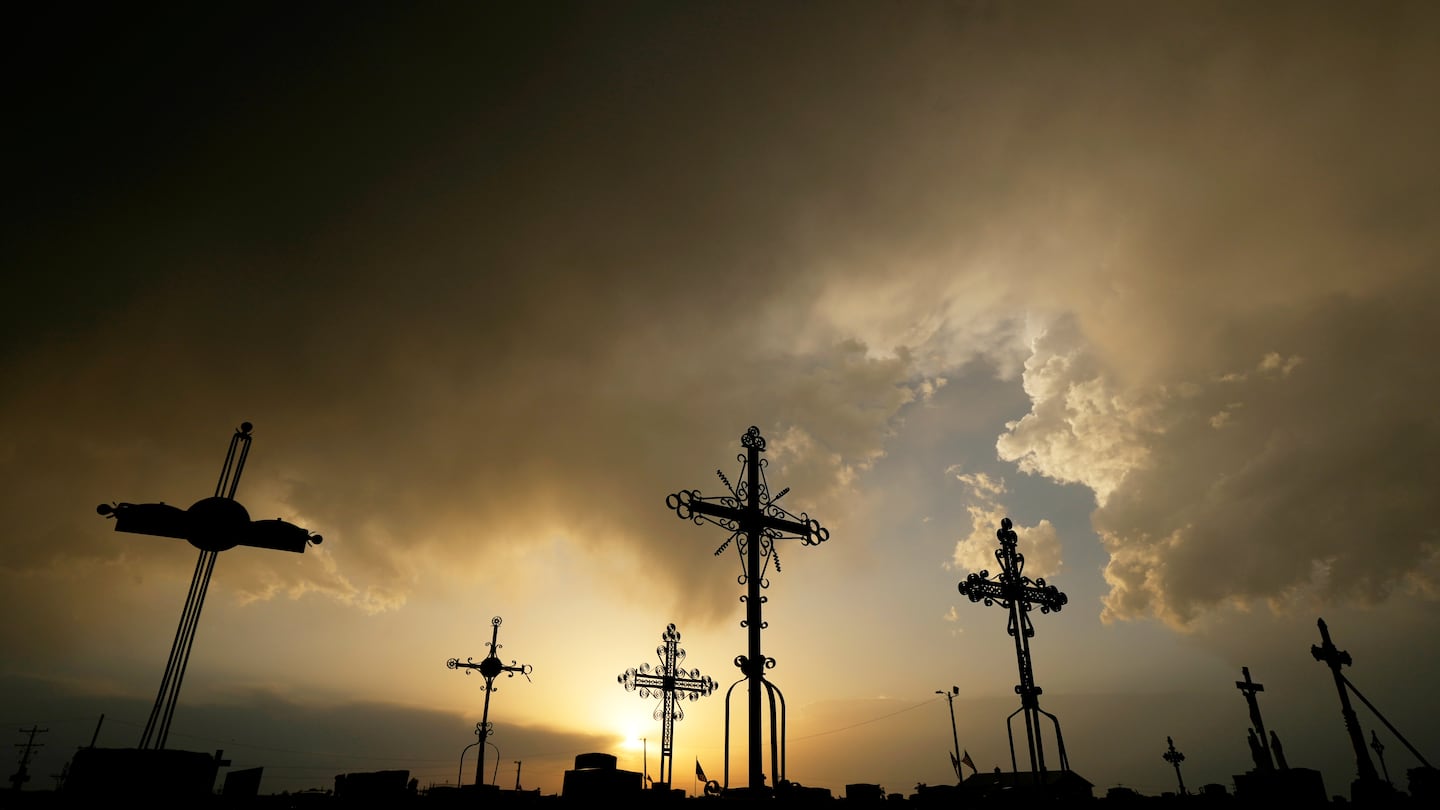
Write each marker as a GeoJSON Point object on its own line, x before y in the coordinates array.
{"type": "Point", "coordinates": [22, 775]}
{"type": "Point", "coordinates": [955, 757]}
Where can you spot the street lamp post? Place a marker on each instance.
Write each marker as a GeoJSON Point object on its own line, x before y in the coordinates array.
{"type": "Point", "coordinates": [955, 759]}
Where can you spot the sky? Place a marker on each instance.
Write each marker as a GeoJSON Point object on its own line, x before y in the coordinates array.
{"type": "Point", "coordinates": [1156, 281]}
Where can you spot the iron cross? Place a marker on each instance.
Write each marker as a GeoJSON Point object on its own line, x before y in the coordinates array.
{"type": "Point", "coordinates": [1335, 658]}
{"type": "Point", "coordinates": [489, 668]}
{"type": "Point", "coordinates": [1019, 594]}
{"type": "Point", "coordinates": [755, 522]}
{"type": "Point", "coordinates": [671, 683]}
{"type": "Point", "coordinates": [213, 525]}
{"type": "Point", "coordinates": [1175, 758]}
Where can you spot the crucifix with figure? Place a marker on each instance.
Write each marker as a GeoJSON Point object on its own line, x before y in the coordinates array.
{"type": "Point", "coordinates": [671, 683]}
{"type": "Point", "coordinates": [213, 525]}
{"type": "Point", "coordinates": [489, 668]}
{"type": "Point", "coordinates": [1260, 744]}
{"type": "Point", "coordinates": [756, 522]}
{"type": "Point", "coordinates": [1018, 594]}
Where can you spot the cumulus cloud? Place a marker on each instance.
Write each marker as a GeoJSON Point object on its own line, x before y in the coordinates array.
{"type": "Point", "coordinates": [1038, 545]}
{"type": "Point", "coordinates": [1278, 482]}
{"type": "Point", "coordinates": [535, 305]}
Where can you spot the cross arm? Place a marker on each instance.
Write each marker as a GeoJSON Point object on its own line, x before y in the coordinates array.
{"type": "Point", "coordinates": [213, 524]}
{"type": "Point", "coordinates": [158, 519]}
{"type": "Point", "coordinates": [1048, 597]}
{"type": "Point", "coordinates": [978, 588]}
{"type": "Point", "coordinates": [700, 507]}
{"type": "Point", "coordinates": [278, 535]}
{"type": "Point", "coordinates": [689, 504]}
{"type": "Point", "coordinates": [697, 687]}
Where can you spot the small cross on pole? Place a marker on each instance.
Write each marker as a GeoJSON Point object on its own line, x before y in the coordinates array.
{"type": "Point", "coordinates": [668, 682]}
{"type": "Point", "coordinates": [1379, 752]}
{"type": "Point", "coordinates": [1175, 758]}
{"type": "Point", "coordinates": [213, 525]}
{"type": "Point", "coordinates": [489, 668]}
{"type": "Point", "coordinates": [1019, 594]}
{"type": "Point", "coordinates": [755, 522]}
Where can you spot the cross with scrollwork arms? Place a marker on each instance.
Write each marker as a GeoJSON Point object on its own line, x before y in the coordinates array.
{"type": "Point", "coordinates": [671, 683]}
{"type": "Point", "coordinates": [755, 522]}
{"type": "Point", "coordinates": [1019, 594]}
{"type": "Point", "coordinates": [489, 668]}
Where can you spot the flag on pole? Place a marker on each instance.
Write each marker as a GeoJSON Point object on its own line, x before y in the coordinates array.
{"type": "Point", "coordinates": [965, 760]}
{"type": "Point", "coordinates": [700, 772]}
{"type": "Point", "coordinates": [955, 763]}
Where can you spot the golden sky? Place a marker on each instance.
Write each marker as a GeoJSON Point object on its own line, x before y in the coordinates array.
{"type": "Point", "coordinates": [1157, 281]}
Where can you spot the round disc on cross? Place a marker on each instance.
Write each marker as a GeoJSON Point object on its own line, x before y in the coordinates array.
{"type": "Point", "coordinates": [217, 524]}
{"type": "Point", "coordinates": [491, 667]}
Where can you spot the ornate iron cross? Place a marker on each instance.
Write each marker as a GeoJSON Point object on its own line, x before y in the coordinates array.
{"type": "Point", "coordinates": [489, 668]}
{"type": "Point", "coordinates": [213, 525]}
{"type": "Point", "coordinates": [1175, 758]}
{"type": "Point", "coordinates": [755, 523]}
{"type": "Point", "coordinates": [1019, 594]}
{"type": "Point", "coordinates": [671, 683]}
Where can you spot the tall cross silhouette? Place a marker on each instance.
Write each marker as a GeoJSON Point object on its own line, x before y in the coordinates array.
{"type": "Point", "coordinates": [755, 523]}
{"type": "Point", "coordinates": [1261, 744]}
{"type": "Point", "coordinates": [1019, 594]}
{"type": "Point", "coordinates": [213, 525]}
{"type": "Point", "coordinates": [1335, 659]}
{"type": "Point", "coordinates": [671, 683]}
{"type": "Point", "coordinates": [489, 668]}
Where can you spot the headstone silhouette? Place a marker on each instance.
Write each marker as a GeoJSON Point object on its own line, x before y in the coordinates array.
{"type": "Point", "coordinates": [671, 683]}
{"type": "Point", "coordinates": [489, 668]}
{"type": "Point", "coordinates": [213, 525]}
{"type": "Point", "coordinates": [755, 522]}
{"type": "Point", "coordinates": [1018, 594]}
